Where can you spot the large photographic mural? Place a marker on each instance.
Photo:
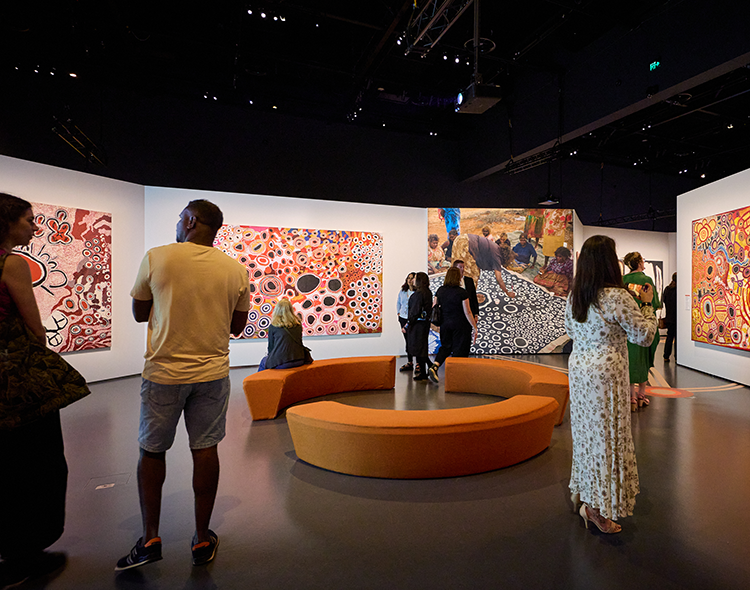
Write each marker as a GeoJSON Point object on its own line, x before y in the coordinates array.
{"type": "Point", "coordinates": [70, 261]}
{"type": "Point", "coordinates": [333, 278]}
{"type": "Point", "coordinates": [531, 250]}
{"type": "Point", "coordinates": [721, 279]}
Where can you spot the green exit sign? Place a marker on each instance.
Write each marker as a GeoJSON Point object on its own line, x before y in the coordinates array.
{"type": "Point", "coordinates": [653, 65]}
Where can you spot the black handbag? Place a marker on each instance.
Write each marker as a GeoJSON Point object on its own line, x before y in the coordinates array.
{"type": "Point", "coordinates": [34, 380]}
{"type": "Point", "coordinates": [437, 315]}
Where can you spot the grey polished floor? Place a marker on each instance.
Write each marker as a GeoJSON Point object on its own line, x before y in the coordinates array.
{"type": "Point", "coordinates": [285, 524]}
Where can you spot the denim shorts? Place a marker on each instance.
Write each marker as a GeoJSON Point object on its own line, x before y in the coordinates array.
{"type": "Point", "coordinates": [205, 407]}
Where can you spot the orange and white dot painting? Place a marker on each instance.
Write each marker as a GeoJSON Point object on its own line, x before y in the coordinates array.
{"type": "Point", "coordinates": [333, 278]}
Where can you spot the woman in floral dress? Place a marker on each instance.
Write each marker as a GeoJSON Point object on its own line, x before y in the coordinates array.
{"type": "Point", "coordinates": [600, 317]}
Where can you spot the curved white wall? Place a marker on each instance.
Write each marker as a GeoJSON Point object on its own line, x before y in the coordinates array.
{"type": "Point", "coordinates": [46, 184]}
{"type": "Point", "coordinates": [404, 250]}
{"type": "Point", "coordinates": [143, 217]}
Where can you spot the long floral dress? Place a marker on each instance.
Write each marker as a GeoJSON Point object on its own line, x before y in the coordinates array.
{"type": "Point", "coordinates": [604, 470]}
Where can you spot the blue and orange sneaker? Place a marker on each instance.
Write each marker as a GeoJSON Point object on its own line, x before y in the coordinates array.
{"type": "Point", "coordinates": [141, 554]}
{"type": "Point", "coordinates": [205, 551]}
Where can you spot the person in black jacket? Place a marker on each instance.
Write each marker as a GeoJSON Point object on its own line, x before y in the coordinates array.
{"type": "Point", "coordinates": [458, 321]}
{"type": "Point", "coordinates": [418, 328]}
{"type": "Point", "coordinates": [285, 348]}
{"type": "Point", "coordinates": [669, 297]}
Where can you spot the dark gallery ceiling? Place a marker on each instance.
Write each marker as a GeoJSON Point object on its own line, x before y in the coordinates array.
{"type": "Point", "coordinates": [378, 63]}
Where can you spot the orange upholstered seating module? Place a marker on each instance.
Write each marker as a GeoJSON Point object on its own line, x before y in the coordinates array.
{"type": "Point", "coordinates": [421, 444]}
{"type": "Point", "coordinates": [272, 390]}
{"type": "Point", "coordinates": [506, 379]}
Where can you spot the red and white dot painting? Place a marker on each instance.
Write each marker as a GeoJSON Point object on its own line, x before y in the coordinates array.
{"type": "Point", "coordinates": [70, 257]}
{"type": "Point", "coordinates": [333, 278]}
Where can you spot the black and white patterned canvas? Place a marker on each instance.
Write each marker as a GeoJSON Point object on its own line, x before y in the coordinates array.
{"type": "Point", "coordinates": [530, 323]}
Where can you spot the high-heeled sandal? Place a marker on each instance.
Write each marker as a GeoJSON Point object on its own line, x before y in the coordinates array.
{"type": "Point", "coordinates": [575, 499]}
{"type": "Point", "coordinates": [610, 527]}
{"type": "Point", "coordinates": [633, 404]}
{"type": "Point", "coordinates": [643, 401]}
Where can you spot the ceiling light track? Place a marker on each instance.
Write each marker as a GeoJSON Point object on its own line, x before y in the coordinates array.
{"type": "Point", "coordinates": [433, 20]}
{"type": "Point", "coordinates": [650, 215]}
{"type": "Point", "coordinates": [71, 134]}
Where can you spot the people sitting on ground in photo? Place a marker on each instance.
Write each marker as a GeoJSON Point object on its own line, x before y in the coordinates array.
{"type": "Point", "coordinates": [507, 257]}
{"type": "Point", "coordinates": [285, 348]}
{"type": "Point", "coordinates": [525, 253]}
{"type": "Point", "coordinates": [447, 246]}
{"type": "Point", "coordinates": [486, 232]}
{"type": "Point", "coordinates": [557, 276]}
{"type": "Point", "coordinates": [503, 240]}
{"type": "Point", "coordinates": [435, 255]}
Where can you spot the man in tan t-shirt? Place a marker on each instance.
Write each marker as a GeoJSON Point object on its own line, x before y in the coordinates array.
{"type": "Point", "coordinates": [192, 295]}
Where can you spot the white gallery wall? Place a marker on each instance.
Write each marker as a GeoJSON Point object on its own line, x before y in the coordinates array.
{"type": "Point", "coordinates": [718, 197]}
{"type": "Point", "coordinates": [404, 231]}
{"type": "Point", "coordinates": [47, 184]}
{"type": "Point", "coordinates": [144, 217]}
{"type": "Point", "coordinates": [651, 245]}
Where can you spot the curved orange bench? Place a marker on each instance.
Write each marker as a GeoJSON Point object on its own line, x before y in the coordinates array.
{"type": "Point", "coordinates": [399, 444]}
{"type": "Point", "coordinates": [272, 390]}
{"type": "Point", "coordinates": [506, 379]}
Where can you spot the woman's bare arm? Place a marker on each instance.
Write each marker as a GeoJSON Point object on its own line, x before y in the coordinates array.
{"type": "Point", "coordinates": [17, 277]}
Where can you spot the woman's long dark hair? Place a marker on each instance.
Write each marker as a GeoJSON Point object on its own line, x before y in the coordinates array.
{"type": "Point", "coordinates": [11, 210]}
{"type": "Point", "coordinates": [405, 286]}
{"type": "Point", "coordinates": [422, 282]}
{"type": "Point", "coordinates": [597, 268]}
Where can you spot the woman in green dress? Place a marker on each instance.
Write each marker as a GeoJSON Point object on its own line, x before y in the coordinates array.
{"type": "Point", "coordinates": [641, 358]}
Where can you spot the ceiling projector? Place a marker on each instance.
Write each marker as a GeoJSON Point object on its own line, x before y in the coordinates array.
{"type": "Point", "coordinates": [478, 98]}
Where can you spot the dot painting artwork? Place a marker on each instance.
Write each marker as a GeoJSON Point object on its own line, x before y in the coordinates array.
{"type": "Point", "coordinates": [530, 323]}
{"type": "Point", "coordinates": [721, 279]}
{"type": "Point", "coordinates": [332, 277]}
{"type": "Point", "coordinates": [70, 257]}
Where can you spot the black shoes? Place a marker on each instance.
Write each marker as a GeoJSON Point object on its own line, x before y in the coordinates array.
{"type": "Point", "coordinates": [206, 551]}
{"type": "Point", "coordinates": [432, 373]}
{"type": "Point", "coordinates": [141, 554]}
{"type": "Point", "coordinates": [407, 367]}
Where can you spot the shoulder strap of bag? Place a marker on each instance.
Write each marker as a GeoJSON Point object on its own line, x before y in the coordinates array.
{"type": "Point", "coordinates": [294, 337]}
